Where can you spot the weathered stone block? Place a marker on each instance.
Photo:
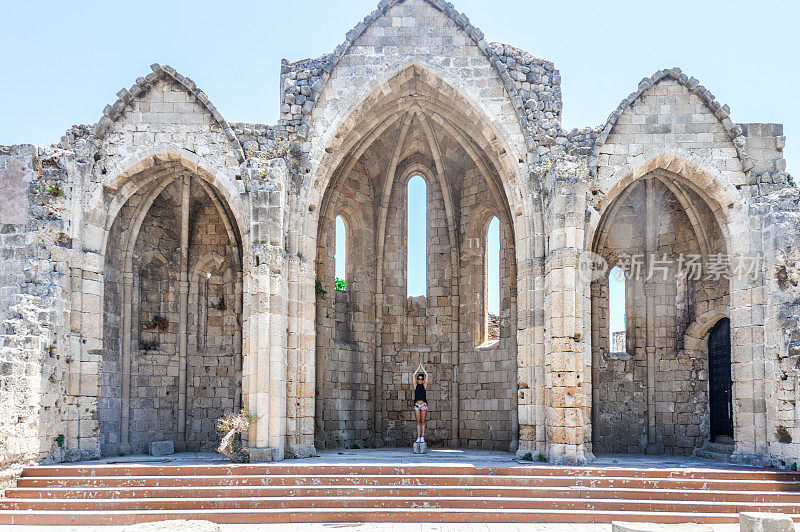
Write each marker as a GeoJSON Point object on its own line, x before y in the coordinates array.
{"type": "Point", "coordinates": [765, 522]}
{"type": "Point", "coordinates": [162, 448]}
{"type": "Point", "coordinates": [264, 454]}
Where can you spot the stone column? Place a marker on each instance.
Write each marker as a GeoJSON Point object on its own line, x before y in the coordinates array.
{"type": "Point", "coordinates": [649, 294]}
{"type": "Point", "coordinates": [563, 313]}
{"type": "Point", "coordinates": [278, 313]}
{"type": "Point", "coordinates": [564, 363]}
{"type": "Point", "coordinates": [85, 342]}
{"type": "Point", "coordinates": [530, 335]}
{"type": "Point", "coordinates": [266, 296]}
{"type": "Point", "coordinates": [125, 424]}
{"type": "Point", "coordinates": [237, 339]}
{"type": "Point", "coordinates": [183, 317]}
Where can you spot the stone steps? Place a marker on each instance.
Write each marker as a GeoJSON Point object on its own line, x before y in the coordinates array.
{"type": "Point", "coordinates": [405, 480]}
{"type": "Point", "coordinates": [404, 491]}
{"type": "Point", "coordinates": [436, 470]}
{"type": "Point", "coordinates": [260, 493]}
{"type": "Point", "coordinates": [372, 502]}
{"type": "Point", "coordinates": [343, 515]}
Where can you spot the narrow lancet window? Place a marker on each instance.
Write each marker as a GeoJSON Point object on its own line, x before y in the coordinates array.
{"type": "Point", "coordinates": [340, 255]}
{"type": "Point", "coordinates": [492, 276]}
{"type": "Point", "coordinates": [417, 238]}
{"type": "Point", "coordinates": [616, 310]}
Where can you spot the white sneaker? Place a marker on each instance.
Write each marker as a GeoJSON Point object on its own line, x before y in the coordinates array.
{"type": "Point", "coordinates": [418, 439]}
{"type": "Point", "coordinates": [422, 440]}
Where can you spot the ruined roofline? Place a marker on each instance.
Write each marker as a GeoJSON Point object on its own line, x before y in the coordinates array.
{"type": "Point", "coordinates": [722, 112]}
{"type": "Point", "coordinates": [493, 53]}
{"type": "Point", "coordinates": [111, 113]}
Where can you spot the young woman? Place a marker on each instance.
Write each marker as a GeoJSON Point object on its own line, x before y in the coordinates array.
{"type": "Point", "coordinates": [420, 387]}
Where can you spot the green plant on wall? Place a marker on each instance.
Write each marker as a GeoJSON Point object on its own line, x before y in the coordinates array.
{"type": "Point", "coordinates": [339, 284]}
{"type": "Point", "coordinates": [55, 191]}
{"type": "Point", "coordinates": [59, 440]}
{"type": "Point", "coordinates": [320, 291]}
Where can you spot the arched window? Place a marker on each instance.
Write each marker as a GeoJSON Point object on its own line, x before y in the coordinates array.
{"type": "Point", "coordinates": [492, 281]}
{"type": "Point", "coordinates": [616, 310]}
{"type": "Point", "coordinates": [340, 254]}
{"type": "Point", "coordinates": [417, 238]}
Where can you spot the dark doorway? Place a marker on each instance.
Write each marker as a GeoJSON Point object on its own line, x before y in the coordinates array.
{"type": "Point", "coordinates": [720, 385]}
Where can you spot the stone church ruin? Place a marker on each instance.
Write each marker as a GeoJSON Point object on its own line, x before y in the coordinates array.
{"type": "Point", "coordinates": [164, 267]}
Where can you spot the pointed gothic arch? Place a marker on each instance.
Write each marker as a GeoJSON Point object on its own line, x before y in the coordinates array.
{"type": "Point", "coordinates": [413, 129]}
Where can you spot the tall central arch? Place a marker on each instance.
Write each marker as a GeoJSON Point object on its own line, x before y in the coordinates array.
{"type": "Point", "coordinates": [370, 336]}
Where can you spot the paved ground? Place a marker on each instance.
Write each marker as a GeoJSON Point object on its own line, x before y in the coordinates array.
{"type": "Point", "coordinates": [391, 456]}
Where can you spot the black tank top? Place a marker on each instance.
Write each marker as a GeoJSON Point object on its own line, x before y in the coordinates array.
{"type": "Point", "coordinates": [420, 394]}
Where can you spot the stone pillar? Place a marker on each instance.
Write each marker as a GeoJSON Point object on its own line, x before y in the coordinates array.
{"type": "Point", "coordinates": [237, 340]}
{"type": "Point", "coordinates": [564, 366]}
{"type": "Point", "coordinates": [276, 341]}
{"type": "Point", "coordinates": [183, 318]}
{"type": "Point", "coordinates": [266, 298]}
{"type": "Point", "coordinates": [563, 372]}
{"type": "Point", "coordinates": [301, 344]}
{"type": "Point", "coordinates": [530, 335]}
{"type": "Point", "coordinates": [125, 396]}
{"type": "Point", "coordinates": [85, 342]}
{"type": "Point", "coordinates": [650, 328]}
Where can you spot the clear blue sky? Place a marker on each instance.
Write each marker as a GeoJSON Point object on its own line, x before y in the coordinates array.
{"type": "Point", "coordinates": [340, 250]}
{"type": "Point", "coordinates": [64, 61]}
{"type": "Point", "coordinates": [416, 237]}
{"type": "Point", "coordinates": [616, 300]}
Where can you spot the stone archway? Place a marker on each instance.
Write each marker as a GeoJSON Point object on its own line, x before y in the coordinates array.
{"type": "Point", "coordinates": [667, 239]}
{"type": "Point", "coordinates": [415, 131]}
{"type": "Point", "coordinates": [172, 318]}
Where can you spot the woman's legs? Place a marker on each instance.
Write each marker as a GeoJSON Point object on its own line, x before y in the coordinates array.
{"type": "Point", "coordinates": [421, 423]}
{"type": "Point", "coordinates": [420, 416]}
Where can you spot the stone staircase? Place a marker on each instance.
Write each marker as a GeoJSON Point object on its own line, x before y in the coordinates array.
{"type": "Point", "coordinates": [273, 493]}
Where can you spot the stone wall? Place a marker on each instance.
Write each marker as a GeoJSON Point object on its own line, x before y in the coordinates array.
{"type": "Point", "coordinates": [488, 371]}
{"type": "Point", "coordinates": [345, 395]}
{"type": "Point", "coordinates": [45, 413]}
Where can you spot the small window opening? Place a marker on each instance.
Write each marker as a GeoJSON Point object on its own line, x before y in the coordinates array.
{"type": "Point", "coordinates": [492, 276]}
{"type": "Point", "coordinates": [340, 255]}
{"type": "Point", "coordinates": [417, 238]}
{"type": "Point", "coordinates": [616, 310]}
